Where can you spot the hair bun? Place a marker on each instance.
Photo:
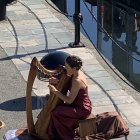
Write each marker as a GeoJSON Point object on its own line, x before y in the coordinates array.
{"type": "Point", "coordinates": [74, 61]}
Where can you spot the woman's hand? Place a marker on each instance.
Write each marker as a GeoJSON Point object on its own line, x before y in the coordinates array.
{"type": "Point", "coordinates": [53, 81]}
{"type": "Point", "coordinates": [52, 89]}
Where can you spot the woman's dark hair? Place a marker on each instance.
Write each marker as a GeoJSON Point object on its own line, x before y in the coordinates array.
{"type": "Point", "coordinates": [74, 61]}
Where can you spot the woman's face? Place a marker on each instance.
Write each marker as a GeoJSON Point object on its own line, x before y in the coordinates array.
{"type": "Point", "coordinates": [68, 69]}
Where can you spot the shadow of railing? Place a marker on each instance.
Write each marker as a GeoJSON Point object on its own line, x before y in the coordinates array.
{"type": "Point", "coordinates": [29, 54]}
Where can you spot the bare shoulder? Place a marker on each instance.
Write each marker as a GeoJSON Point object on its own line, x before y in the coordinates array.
{"type": "Point", "coordinates": [77, 81]}
{"type": "Point", "coordinates": [80, 81]}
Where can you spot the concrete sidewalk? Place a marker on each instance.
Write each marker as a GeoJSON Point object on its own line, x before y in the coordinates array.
{"type": "Point", "coordinates": [33, 29]}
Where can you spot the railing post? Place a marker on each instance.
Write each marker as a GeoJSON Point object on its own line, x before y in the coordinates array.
{"type": "Point", "coordinates": [2, 10]}
{"type": "Point", "coordinates": [77, 17]}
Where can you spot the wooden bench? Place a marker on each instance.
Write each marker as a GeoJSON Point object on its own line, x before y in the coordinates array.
{"type": "Point", "coordinates": [87, 126]}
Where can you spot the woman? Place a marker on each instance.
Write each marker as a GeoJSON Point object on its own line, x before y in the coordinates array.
{"type": "Point", "coordinates": [77, 105]}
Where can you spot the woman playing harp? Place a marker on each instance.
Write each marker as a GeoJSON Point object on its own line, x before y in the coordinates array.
{"type": "Point", "coordinates": [77, 105]}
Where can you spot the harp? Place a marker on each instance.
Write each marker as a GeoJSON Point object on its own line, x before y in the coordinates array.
{"type": "Point", "coordinates": [39, 128]}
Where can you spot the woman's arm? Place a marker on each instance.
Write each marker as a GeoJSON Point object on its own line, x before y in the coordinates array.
{"type": "Point", "coordinates": [76, 85]}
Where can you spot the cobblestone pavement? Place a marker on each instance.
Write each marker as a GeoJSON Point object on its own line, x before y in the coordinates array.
{"type": "Point", "coordinates": [33, 28]}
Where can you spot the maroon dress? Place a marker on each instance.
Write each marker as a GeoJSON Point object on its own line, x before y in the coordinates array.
{"type": "Point", "coordinates": [64, 118]}
{"type": "Point", "coordinates": [109, 125]}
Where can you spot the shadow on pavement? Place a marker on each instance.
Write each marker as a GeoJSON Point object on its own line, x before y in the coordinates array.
{"type": "Point", "coordinates": [18, 104]}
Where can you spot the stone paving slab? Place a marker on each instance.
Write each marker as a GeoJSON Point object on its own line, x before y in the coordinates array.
{"type": "Point", "coordinates": [24, 74]}
{"type": "Point", "coordinates": [92, 68]}
{"type": "Point", "coordinates": [37, 6]}
{"type": "Point", "coordinates": [99, 74]}
{"type": "Point", "coordinates": [117, 93]}
{"type": "Point", "coordinates": [16, 51]}
{"type": "Point", "coordinates": [110, 86]}
{"type": "Point", "coordinates": [132, 112]}
{"type": "Point", "coordinates": [101, 109]}
{"type": "Point", "coordinates": [6, 44]}
{"type": "Point", "coordinates": [84, 53]}
{"type": "Point", "coordinates": [92, 61]}
{"type": "Point", "coordinates": [123, 100]}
